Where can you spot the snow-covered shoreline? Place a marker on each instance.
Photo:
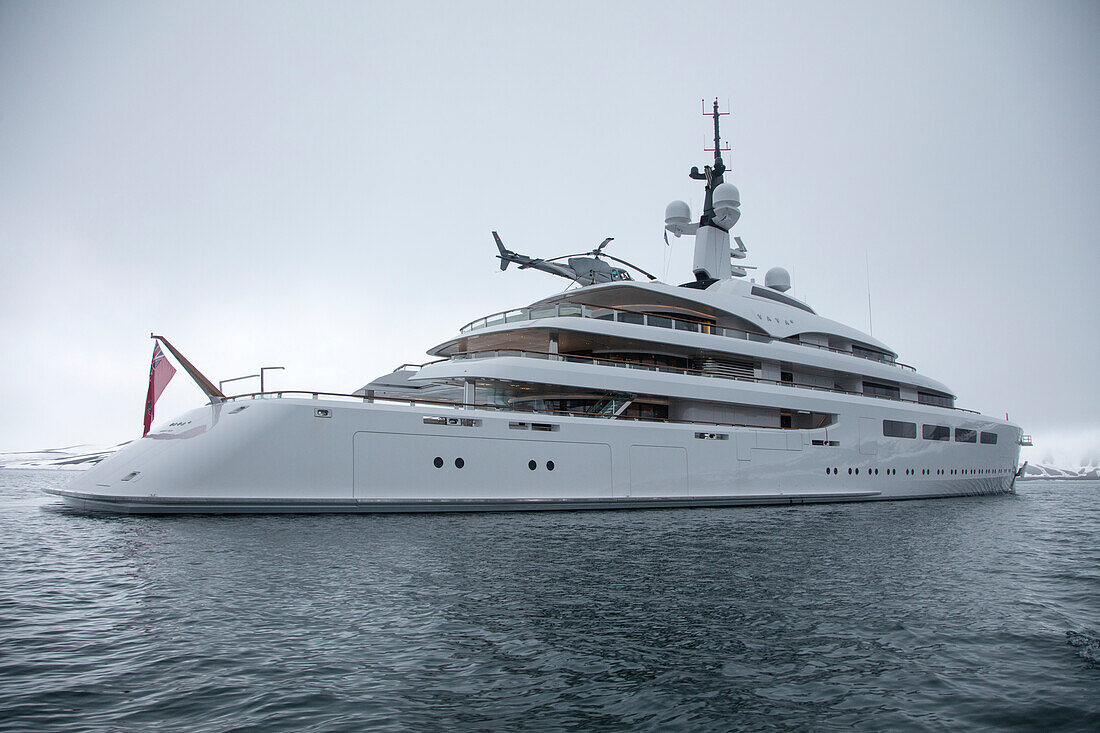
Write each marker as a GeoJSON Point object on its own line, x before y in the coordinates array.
{"type": "Point", "coordinates": [1054, 472]}
{"type": "Point", "coordinates": [71, 458]}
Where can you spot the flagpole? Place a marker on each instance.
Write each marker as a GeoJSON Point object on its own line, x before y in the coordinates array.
{"type": "Point", "coordinates": [205, 384]}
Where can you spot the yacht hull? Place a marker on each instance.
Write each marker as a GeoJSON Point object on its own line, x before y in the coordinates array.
{"type": "Point", "coordinates": [316, 456]}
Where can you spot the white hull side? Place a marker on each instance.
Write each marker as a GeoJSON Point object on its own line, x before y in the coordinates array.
{"type": "Point", "coordinates": [279, 455]}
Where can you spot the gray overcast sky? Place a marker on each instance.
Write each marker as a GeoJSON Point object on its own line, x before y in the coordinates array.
{"type": "Point", "coordinates": [313, 184]}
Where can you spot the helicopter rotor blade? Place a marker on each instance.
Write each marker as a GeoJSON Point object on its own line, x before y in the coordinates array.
{"type": "Point", "coordinates": [602, 244]}
{"type": "Point", "coordinates": [575, 254]}
{"type": "Point", "coordinates": [632, 266]}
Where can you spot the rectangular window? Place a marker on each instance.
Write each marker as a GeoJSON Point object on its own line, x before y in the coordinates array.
{"type": "Point", "coordinates": [930, 398]}
{"type": "Point", "coordinates": [936, 432]}
{"type": "Point", "coordinates": [963, 435]}
{"type": "Point", "coordinates": [881, 390]}
{"type": "Point", "coordinates": [898, 429]}
{"type": "Point", "coordinates": [867, 353]}
{"type": "Point", "coordinates": [989, 438]}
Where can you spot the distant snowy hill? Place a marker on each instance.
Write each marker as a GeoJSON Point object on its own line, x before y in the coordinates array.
{"type": "Point", "coordinates": [1042, 471]}
{"type": "Point", "coordinates": [75, 457]}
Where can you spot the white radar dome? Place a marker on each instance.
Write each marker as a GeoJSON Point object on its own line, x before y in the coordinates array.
{"type": "Point", "coordinates": [727, 201]}
{"type": "Point", "coordinates": [678, 218]}
{"type": "Point", "coordinates": [779, 279]}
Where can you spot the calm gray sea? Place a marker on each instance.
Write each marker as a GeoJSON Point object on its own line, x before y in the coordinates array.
{"type": "Point", "coordinates": [977, 613]}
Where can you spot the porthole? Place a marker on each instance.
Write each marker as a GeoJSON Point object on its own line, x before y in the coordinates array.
{"type": "Point", "coordinates": [828, 471]}
{"type": "Point", "coordinates": [438, 462]}
{"type": "Point", "coordinates": [835, 471]}
{"type": "Point", "coordinates": [532, 465]}
{"type": "Point", "coordinates": [849, 472]}
{"type": "Point", "coordinates": [459, 463]}
{"type": "Point", "coordinates": [549, 465]}
{"type": "Point", "coordinates": [876, 472]}
{"type": "Point", "coordinates": [857, 472]}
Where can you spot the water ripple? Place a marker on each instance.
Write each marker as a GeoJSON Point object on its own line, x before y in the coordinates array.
{"type": "Point", "coordinates": [975, 613]}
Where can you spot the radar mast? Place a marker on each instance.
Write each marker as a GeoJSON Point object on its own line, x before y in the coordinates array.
{"type": "Point", "coordinates": [721, 210]}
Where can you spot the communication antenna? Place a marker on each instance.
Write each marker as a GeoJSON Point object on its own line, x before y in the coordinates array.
{"type": "Point", "coordinates": [717, 149]}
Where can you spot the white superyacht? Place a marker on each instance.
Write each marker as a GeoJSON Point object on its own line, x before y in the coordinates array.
{"type": "Point", "coordinates": [615, 393]}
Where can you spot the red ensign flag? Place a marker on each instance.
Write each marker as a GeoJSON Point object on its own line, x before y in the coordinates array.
{"type": "Point", "coordinates": [160, 373]}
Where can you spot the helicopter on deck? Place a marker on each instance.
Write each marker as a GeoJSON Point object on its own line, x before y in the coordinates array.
{"type": "Point", "coordinates": [585, 268]}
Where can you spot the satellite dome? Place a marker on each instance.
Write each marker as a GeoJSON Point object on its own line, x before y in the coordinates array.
{"type": "Point", "coordinates": [727, 193]}
{"type": "Point", "coordinates": [779, 279]}
{"type": "Point", "coordinates": [678, 218]}
{"type": "Point", "coordinates": [726, 200]}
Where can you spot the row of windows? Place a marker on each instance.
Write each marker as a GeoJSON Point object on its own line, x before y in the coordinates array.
{"type": "Point", "coordinates": [926, 471]}
{"type": "Point", "coordinates": [901, 429]}
{"type": "Point", "coordinates": [460, 463]}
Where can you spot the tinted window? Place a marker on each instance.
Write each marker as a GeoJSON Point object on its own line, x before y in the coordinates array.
{"type": "Point", "coordinates": [881, 390]}
{"type": "Point", "coordinates": [989, 438]}
{"type": "Point", "coordinates": [928, 398]}
{"type": "Point", "coordinates": [897, 429]}
{"type": "Point", "coordinates": [867, 353]}
{"type": "Point", "coordinates": [963, 435]}
{"type": "Point", "coordinates": [936, 432]}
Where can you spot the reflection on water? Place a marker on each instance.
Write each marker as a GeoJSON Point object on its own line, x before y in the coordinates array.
{"type": "Point", "coordinates": [920, 614]}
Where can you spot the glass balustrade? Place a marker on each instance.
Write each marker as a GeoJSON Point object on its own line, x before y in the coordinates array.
{"type": "Point", "coordinates": [573, 310]}
{"type": "Point", "coordinates": [664, 369]}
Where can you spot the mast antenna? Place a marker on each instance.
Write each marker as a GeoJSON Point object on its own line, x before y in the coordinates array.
{"type": "Point", "coordinates": [717, 149]}
{"type": "Point", "coordinates": [713, 175]}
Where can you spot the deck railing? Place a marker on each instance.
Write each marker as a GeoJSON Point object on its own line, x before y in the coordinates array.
{"type": "Point", "coordinates": [418, 401]}
{"type": "Point", "coordinates": [610, 361]}
{"type": "Point", "coordinates": [622, 315]}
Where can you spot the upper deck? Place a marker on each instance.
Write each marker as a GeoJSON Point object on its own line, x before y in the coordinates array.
{"type": "Point", "coordinates": [739, 304]}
